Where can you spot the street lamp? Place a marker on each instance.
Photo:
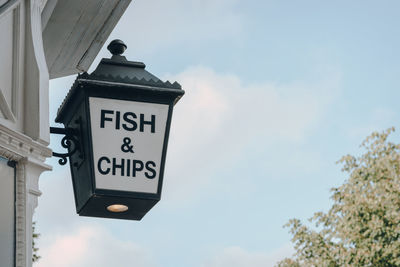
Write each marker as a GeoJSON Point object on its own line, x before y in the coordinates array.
{"type": "Point", "coordinates": [117, 122]}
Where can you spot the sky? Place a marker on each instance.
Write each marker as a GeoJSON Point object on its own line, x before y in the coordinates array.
{"type": "Point", "coordinates": [276, 93]}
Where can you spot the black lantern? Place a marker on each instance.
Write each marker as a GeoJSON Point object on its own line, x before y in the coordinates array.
{"type": "Point", "coordinates": [118, 120]}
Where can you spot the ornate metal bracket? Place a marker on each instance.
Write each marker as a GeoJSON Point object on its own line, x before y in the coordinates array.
{"type": "Point", "coordinates": [69, 142]}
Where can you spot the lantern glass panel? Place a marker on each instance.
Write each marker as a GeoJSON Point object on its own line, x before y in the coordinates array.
{"type": "Point", "coordinates": [128, 139]}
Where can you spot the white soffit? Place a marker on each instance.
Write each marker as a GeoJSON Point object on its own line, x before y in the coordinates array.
{"type": "Point", "coordinates": [74, 31]}
{"type": "Point", "coordinates": [2, 2]}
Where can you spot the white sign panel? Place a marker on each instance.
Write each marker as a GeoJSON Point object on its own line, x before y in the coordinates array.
{"type": "Point", "coordinates": [127, 139]}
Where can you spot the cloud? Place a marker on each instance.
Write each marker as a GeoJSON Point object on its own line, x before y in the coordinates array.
{"type": "Point", "coordinates": [221, 120]}
{"type": "Point", "coordinates": [91, 245]}
{"type": "Point", "coordinates": [238, 257]}
{"type": "Point", "coordinates": [56, 205]}
{"type": "Point", "coordinates": [218, 124]}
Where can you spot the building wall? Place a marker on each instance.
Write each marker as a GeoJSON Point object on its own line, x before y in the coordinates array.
{"type": "Point", "coordinates": [24, 98]}
{"type": "Point", "coordinates": [7, 209]}
{"type": "Point", "coordinates": [11, 69]}
{"type": "Point", "coordinates": [24, 125]}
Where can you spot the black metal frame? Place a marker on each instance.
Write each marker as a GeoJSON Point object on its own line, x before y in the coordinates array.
{"type": "Point", "coordinates": [115, 78]}
{"type": "Point", "coordinates": [69, 141]}
{"type": "Point", "coordinates": [72, 111]}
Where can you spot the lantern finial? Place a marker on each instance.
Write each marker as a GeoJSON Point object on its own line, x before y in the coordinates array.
{"type": "Point", "coordinates": [117, 47]}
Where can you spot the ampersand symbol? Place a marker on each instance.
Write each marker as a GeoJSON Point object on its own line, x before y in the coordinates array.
{"type": "Point", "coordinates": [126, 147]}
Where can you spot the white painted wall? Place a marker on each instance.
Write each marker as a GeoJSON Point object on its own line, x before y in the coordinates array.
{"type": "Point", "coordinates": [11, 67]}
{"type": "Point", "coordinates": [7, 214]}
{"type": "Point", "coordinates": [2, 2]}
{"type": "Point", "coordinates": [6, 29]}
{"type": "Point", "coordinates": [75, 32]}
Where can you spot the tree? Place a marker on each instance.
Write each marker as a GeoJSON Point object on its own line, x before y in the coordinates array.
{"type": "Point", "coordinates": [362, 228]}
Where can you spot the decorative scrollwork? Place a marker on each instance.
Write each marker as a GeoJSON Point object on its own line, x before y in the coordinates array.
{"type": "Point", "coordinates": [68, 141]}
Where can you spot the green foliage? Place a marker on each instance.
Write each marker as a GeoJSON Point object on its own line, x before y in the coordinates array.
{"type": "Point", "coordinates": [35, 236]}
{"type": "Point", "coordinates": [362, 228]}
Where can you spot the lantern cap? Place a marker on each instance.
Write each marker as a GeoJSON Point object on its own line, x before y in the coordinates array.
{"type": "Point", "coordinates": [117, 47]}
{"type": "Point", "coordinates": [119, 69]}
